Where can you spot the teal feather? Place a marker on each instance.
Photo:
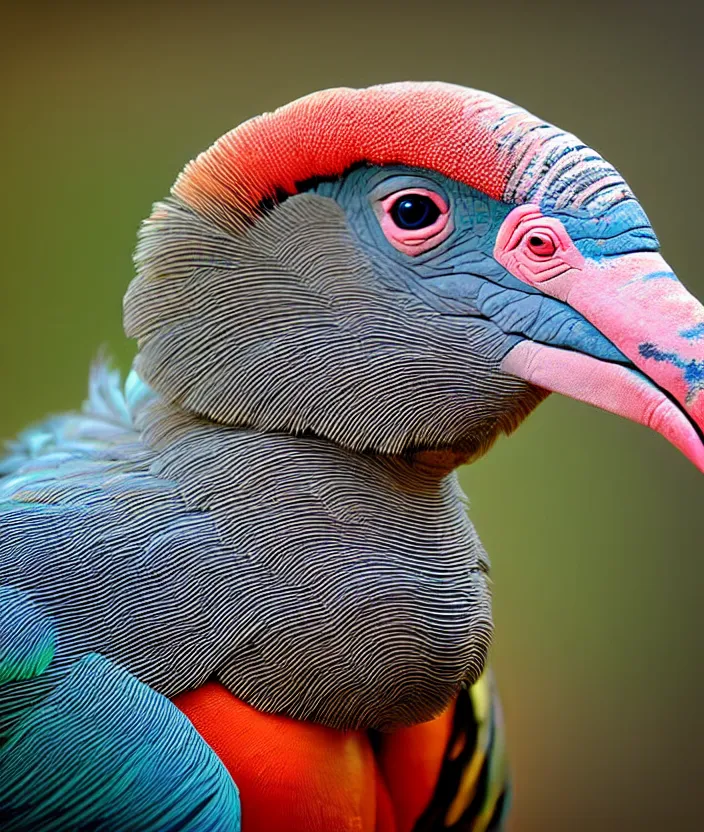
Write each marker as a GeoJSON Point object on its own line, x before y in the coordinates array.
{"type": "Point", "coordinates": [27, 637]}
{"type": "Point", "coordinates": [101, 751]}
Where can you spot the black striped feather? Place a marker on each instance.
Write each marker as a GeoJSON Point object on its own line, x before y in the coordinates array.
{"type": "Point", "coordinates": [473, 789]}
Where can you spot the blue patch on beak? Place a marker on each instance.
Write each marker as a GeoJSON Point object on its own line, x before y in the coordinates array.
{"type": "Point", "coordinates": [695, 333]}
{"type": "Point", "coordinates": [692, 370]}
{"type": "Point", "coordinates": [666, 275]}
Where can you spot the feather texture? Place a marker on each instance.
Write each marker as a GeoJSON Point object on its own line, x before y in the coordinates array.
{"type": "Point", "coordinates": [289, 328]}
{"type": "Point", "coordinates": [182, 549]}
{"type": "Point", "coordinates": [101, 751]}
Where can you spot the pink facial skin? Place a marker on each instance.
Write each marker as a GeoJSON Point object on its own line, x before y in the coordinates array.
{"type": "Point", "coordinates": [533, 263]}
{"type": "Point", "coordinates": [638, 304]}
{"type": "Point", "coordinates": [414, 242]}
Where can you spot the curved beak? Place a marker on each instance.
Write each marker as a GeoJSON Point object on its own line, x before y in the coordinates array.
{"type": "Point", "coordinates": [639, 305]}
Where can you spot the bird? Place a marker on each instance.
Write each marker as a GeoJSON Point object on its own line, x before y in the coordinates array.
{"type": "Point", "coordinates": [240, 589]}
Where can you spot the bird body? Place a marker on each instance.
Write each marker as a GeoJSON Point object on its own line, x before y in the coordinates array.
{"type": "Point", "coordinates": [257, 551]}
{"type": "Point", "coordinates": [133, 485]}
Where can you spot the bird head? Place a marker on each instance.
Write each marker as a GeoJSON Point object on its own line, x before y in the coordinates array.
{"type": "Point", "coordinates": [411, 268]}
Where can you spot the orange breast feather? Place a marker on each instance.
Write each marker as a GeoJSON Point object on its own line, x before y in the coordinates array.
{"type": "Point", "coordinates": [303, 777]}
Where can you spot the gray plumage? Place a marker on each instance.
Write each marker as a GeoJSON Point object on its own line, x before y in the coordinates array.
{"type": "Point", "coordinates": [185, 549]}
{"type": "Point", "coordinates": [289, 326]}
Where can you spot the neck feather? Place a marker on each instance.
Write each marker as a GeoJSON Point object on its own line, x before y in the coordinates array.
{"type": "Point", "coordinates": [347, 588]}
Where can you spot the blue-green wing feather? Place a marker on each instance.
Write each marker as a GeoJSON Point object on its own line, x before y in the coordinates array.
{"type": "Point", "coordinates": [27, 637]}
{"type": "Point", "coordinates": [101, 751]}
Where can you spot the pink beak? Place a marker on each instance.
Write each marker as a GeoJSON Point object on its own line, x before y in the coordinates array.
{"type": "Point", "coordinates": [636, 302]}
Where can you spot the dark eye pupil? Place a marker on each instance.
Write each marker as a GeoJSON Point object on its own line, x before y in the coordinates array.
{"type": "Point", "coordinates": [536, 242]}
{"type": "Point", "coordinates": [414, 211]}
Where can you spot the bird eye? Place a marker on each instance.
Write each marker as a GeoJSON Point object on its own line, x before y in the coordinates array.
{"type": "Point", "coordinates": [413, 211]}
{"type": "Point", "coordinates": [414, 220]}
{"type": "Point", "coordinates": [541, 244]}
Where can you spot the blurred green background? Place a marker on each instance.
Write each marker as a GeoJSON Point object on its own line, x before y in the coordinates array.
{"type": "Point", "coordinates": [593, 524]}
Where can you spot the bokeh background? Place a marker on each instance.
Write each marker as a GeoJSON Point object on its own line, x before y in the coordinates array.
{"type": "Point", "coordinates": [594, 525]}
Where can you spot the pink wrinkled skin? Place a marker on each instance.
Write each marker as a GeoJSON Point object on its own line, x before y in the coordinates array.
{"type": "Point", "coordinates": [638, 304]}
